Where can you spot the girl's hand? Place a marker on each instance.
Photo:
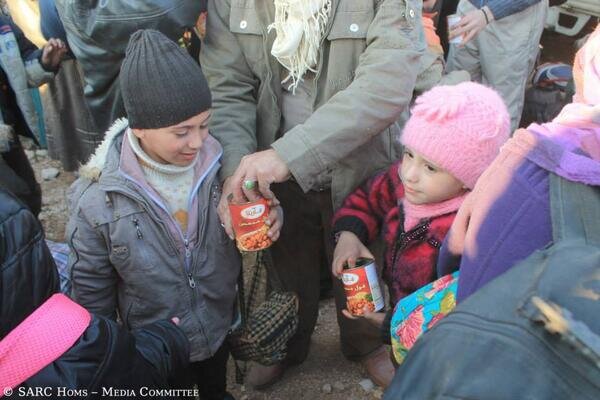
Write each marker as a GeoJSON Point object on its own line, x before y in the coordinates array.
{"type": "Point", "coordinates": [470, 25]}
{"type": "Point", "coordinates": [347, 250]}
{"type": "Point", "coordinates": [52, 53]}
{"type": "Point", "coordinates": [374, 318]}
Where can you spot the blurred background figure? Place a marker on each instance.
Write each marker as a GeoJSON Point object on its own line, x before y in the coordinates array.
{"type": "Point", "coordinates": [98, 33]}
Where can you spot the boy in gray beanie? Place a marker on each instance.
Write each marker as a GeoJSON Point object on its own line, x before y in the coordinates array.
{"type": "Point", "coordinates": [144, 231]}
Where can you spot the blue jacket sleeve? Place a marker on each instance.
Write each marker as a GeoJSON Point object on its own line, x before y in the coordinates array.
{"type": "Point", "coordinates": [504, 8]}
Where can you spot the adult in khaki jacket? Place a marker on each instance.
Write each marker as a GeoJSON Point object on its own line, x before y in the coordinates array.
{"type": "Point", "coordinates": [310, 131]}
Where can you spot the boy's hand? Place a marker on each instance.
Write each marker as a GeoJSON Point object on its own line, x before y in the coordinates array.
{"type": "Point", "coordinates": [223, 209]}
{"type": "Point", "coordinates": [275, 220]}
{"type": "Point", "coordinates": [52, 53]}
{"type": "Point", "coordinates": [348, 249]}
{"type": "Point", "coordinates": [275, 216]}
{"type": "Point", "coordinates": [374, 318]}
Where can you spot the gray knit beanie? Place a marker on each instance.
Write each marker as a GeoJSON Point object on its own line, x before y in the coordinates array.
{"type": "Point", "coordinates": [161, 84]}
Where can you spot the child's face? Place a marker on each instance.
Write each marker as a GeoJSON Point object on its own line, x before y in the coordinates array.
{"type": "Point", "coordinates": [178, 144]}
{"type": "Point", "coordinates": [424, 182]}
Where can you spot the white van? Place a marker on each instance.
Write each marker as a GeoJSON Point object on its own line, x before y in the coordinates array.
{"type": "Point", "coordinates": [580, 10]}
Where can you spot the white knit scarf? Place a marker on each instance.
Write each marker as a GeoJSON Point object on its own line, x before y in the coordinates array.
{"type": "Point", "coordinates": [299, 25]}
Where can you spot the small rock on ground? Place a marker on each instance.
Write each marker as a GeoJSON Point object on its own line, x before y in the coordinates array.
{"type": "Point", "coordinates": [49, 173]}
{"type": "Point", "coordinates": [367, 385]}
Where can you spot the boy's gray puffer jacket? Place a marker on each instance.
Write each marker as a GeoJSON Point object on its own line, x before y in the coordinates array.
{"type": "Point", "coordinates": [128, 254]}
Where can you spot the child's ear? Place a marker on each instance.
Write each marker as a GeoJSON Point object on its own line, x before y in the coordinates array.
{"type": "Point", "coordinates": [138, 133]}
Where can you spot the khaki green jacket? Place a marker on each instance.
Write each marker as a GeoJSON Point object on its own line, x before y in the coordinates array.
{"type": "Point", "coordinates": [369, 61]}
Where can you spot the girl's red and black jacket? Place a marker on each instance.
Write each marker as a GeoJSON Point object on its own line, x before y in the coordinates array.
{"type": "Point", "coordinates": [374, 209]}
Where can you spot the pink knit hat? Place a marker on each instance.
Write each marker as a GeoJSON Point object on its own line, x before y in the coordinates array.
{"type": "Point", "coordinates": [586, 71]}
{"type": "Point", "coordinates": [459, 128]}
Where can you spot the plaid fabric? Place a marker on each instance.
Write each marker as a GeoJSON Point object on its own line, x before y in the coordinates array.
{"type": "Point", "coordinates": [267, 331]}
{"type": "Point", "coordinates": [60, 253]}
{"type": "Point", "coordinates": [268, 321]}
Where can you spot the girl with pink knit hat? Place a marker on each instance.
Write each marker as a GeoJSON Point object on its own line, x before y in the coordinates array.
{"type": "Point", "coordinates": [453, 134]}
{"type": "Point", "coordinates": [506, 222]}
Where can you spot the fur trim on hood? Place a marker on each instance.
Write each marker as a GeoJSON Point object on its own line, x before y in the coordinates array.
{"type": "Point", "coordinates": [93, 168]}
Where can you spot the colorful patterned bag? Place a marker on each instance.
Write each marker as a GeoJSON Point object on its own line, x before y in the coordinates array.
{"type": "Point", "coordinates": [419, 311]}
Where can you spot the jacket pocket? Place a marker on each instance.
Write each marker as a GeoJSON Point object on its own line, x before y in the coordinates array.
{"type": "Point", "coordinates": [244, 20]}
{"type": "Point", "coordinates": [352, 23]}
{"type": "Point", "coordinates": [245, 23]}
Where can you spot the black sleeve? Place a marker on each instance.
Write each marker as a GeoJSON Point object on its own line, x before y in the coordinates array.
{"type": "Point", "coordinates": [386, 336]}
{"type": "Point", "coordinates": [165, 346]}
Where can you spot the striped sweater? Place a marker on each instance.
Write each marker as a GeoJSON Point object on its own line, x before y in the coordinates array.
{"type": "Point", "coordinates": [504, 8]}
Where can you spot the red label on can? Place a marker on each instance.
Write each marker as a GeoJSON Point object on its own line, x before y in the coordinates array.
{"type": "Point", "coordinates": [248, 220]}
{"type": "Point", "coordinates": [362, 288]}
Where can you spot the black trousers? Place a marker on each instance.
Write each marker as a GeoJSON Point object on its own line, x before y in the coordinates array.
{"type": "Point", "coordinates": [303, 249]}
{"type": "Point", "coordinates": [210, 376]}
{"type": "Point", "coordinates": [17, 176]}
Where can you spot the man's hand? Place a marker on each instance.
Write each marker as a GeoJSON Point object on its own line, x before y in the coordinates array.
{"type": "Point", "coordinates": [264, 167]}
{"type": "Point", "coordinates": [470, 25]}
{"type": "Point", "coordinates": [347, 250]}
{"type": "Point", "coordinates": [52, 53]}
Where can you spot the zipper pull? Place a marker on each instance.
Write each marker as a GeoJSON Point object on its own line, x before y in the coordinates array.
{"type": "Point", "coordinates": [137, 229]}
{"type": "Point", "coordinates": [188, 253]}
{"type": "Point", "coordinates": [191, 281]}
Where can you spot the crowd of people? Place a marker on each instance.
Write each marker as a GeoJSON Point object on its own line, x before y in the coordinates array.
{"type": "Point", "coordinates": [364, 135]}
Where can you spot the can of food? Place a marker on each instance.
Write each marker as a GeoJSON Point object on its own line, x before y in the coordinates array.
{"type": "Point", "coordinates": [362, 287]}
{"type": "Point", "coordinates": [249, 224]}
{"type": "Point", "coordinates": [452, 21]}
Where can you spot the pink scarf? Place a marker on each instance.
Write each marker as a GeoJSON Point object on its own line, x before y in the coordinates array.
{"type": "Point", "coordinates": [414, 213]}
{"type": "Point", "coordinates": [40, 339]}
{"type": "Point", "coordinates": [559, 144]}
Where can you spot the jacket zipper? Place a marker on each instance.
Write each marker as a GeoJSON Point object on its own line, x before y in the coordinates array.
{"type": "Point", "coordinates": [188, 255]}
{"type": "Point", "coordinates": [405, 238]}
{"type": "Point", "coordinates": [184, 238]}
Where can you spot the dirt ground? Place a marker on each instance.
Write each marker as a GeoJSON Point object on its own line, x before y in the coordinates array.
{"type": "Point", "coordinates": [325, 374]}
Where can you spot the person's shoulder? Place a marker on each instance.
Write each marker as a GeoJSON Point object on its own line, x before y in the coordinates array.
{"type": "Point", "coordinates": [9, 205]}
{"type": "Point", "coordinates": [87, 199]}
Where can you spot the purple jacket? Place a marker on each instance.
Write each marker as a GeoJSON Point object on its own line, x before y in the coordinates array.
{"type": "Point", "coordinates": [507, 216]}
{"type": "Point", "coordinates": [518, 224]}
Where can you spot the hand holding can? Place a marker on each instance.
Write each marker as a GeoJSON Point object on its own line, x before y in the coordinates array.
{"type": "Point", "coordinates": [250, 224]}
{"type": "Point", "coordinates": [453, 20]}
{"type": "Point", "coordinates": [362, 287]}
